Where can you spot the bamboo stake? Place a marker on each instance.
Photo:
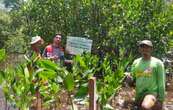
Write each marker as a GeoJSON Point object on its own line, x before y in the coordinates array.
{"type": "Point", "coordinates": [38, 102]}
{"type": "Point", "coordinates": [92, 93]}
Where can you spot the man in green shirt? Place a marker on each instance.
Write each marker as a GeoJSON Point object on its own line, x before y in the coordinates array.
{"type": "Point", "coordinates": [150, 78]}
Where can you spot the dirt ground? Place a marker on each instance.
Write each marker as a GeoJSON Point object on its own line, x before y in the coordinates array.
{"type": "Point", "coordinates": [124, 100]}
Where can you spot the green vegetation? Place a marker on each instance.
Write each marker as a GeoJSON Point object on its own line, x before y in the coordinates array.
{"type": "Point", "coordinates": [3, 55]}
{"type": "Point", "coordinates": [5, 20]}
{"type": "Point", "coordinates": [111, 24]}
{"type": "Point", "coordinates": [11, 34]}
{"type": "Point", "coordinates": [49, 80]}
{"type": "Point", "coordinates": [115, 26]}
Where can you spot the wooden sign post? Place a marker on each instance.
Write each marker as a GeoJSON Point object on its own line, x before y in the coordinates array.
{"type": "Point", "coordinates": [38, 102]}
{"type": "Point", "coordinates": [92, 93]}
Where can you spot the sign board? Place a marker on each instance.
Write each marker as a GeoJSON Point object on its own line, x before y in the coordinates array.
{"type": "Point", "coordinates": [77, 45]}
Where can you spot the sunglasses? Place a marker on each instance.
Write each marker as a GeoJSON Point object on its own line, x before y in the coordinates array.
{"type": "Point", "coordinates": [144, 46]}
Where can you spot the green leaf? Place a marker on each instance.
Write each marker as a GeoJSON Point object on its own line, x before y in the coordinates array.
{"type": "Point", "coordinates": [69, 82]}
{"type": "Point", "coordinates": [5, 89]}
{"type": "Point", "coordinates": [80, 60]}
{"type": "Point", "coordinates": [32, 89]}
{"type": "Point", "coordinates": [38, 71]}
{"type": "Point", "coordinates": [48, 64]}
{"type": "Point", "coordinates": [46, 105]}
{"type": "Point", "coordinates": [2, 55]}
{"type": "Point", "coordinates": [2, 76]}
{"type": "Point", "coordinates": [42, 88]}
{"type": "Point", "coordinates": [55, 87]}
{"type": "Point", "coordinates": [85, 74]}
{"type": "Point", "coordinates": [20, 70]}
{"type": "Point", "coordinates": [34, 57]}
{"type": "Point", "coordinates": [26, 73]}
{"type": "Point", "coordinates": [84, 85]}
{"type": "Point", "coordinates": [99, 85]}
{"type": "Point", "coordinates": [48, 74]}
{"type": "Point", "coordinates": [48, 99]}
{"type": "Point", "coordinates": [58, 79]}
{"type": "Point", "coordinates": [81, 93]}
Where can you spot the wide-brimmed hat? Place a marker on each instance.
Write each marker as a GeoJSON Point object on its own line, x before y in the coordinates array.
{"type": "Point", "coordinates": [146, 42]}
{"type": "Point", "coordinates": [36, 39]}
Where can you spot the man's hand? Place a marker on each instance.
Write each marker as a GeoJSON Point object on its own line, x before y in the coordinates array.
{"type": "Point", "coordinates": [67, 50]}
{"type": "Point", "coordinates": [53, 58]}
{"type": "Point", "coordinates": [69, 61]}
{"type": "Point", "coordinates": [128, 78]}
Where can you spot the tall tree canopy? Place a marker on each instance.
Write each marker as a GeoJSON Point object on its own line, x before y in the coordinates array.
{"type": "Point", "coordinates": [112, 24]}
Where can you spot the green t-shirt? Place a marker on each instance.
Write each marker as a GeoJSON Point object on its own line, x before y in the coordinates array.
{"type": "Point", "coordinates": [150, 78]}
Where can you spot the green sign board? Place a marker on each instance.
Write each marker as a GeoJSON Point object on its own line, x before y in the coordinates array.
{"type": "Point", "coordinates": [77, 45]}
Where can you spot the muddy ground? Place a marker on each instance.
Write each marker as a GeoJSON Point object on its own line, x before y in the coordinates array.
{"type": "Point", "coordinates": [124, 99]}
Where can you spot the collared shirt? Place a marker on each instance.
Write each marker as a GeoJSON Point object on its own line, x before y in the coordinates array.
{"type": "Point", "coordinates": [56, 52]}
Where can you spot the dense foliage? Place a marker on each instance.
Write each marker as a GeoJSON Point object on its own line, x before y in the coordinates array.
{"type": "Point", "coordinates": [115, 26]}
{"type": "Point", "coordinates": [11, 36]}
{"type": "Point", "coordinates": [46, 78]}
{"type": "Point", "coordinates": [4, 22]}
{"type": "Point", "coordinates": [112, 24]}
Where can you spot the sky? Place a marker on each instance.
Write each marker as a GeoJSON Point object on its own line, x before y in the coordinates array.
{"type": "Point", "coordinates": [1, 4]}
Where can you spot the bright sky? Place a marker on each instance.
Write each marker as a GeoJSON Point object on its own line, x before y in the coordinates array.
{"type": "Point", "coordinates": [1, 4]}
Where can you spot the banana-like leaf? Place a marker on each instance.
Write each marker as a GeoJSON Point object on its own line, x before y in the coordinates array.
{"type": "Point", "coordinates": [48, 74]}
{"type": "Point", "coordinates": [26, 74]}
{"type": "Point", "coordinates": [69, 82]}
{"type": "Point", "coordinates": [80, 60]}
{"type": "Point", "coordinates": [2, 76]}
{"type": "Point", "coordinates": [81, 93]}
{"type": "Point", "coordinates": [85, 74]}
{"type": "Point", "coordinates": [20, 71]}
{"type": "Point", "coordinates": [38, 71]}
{"type": "Point", "coordinates": [47, 64]}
